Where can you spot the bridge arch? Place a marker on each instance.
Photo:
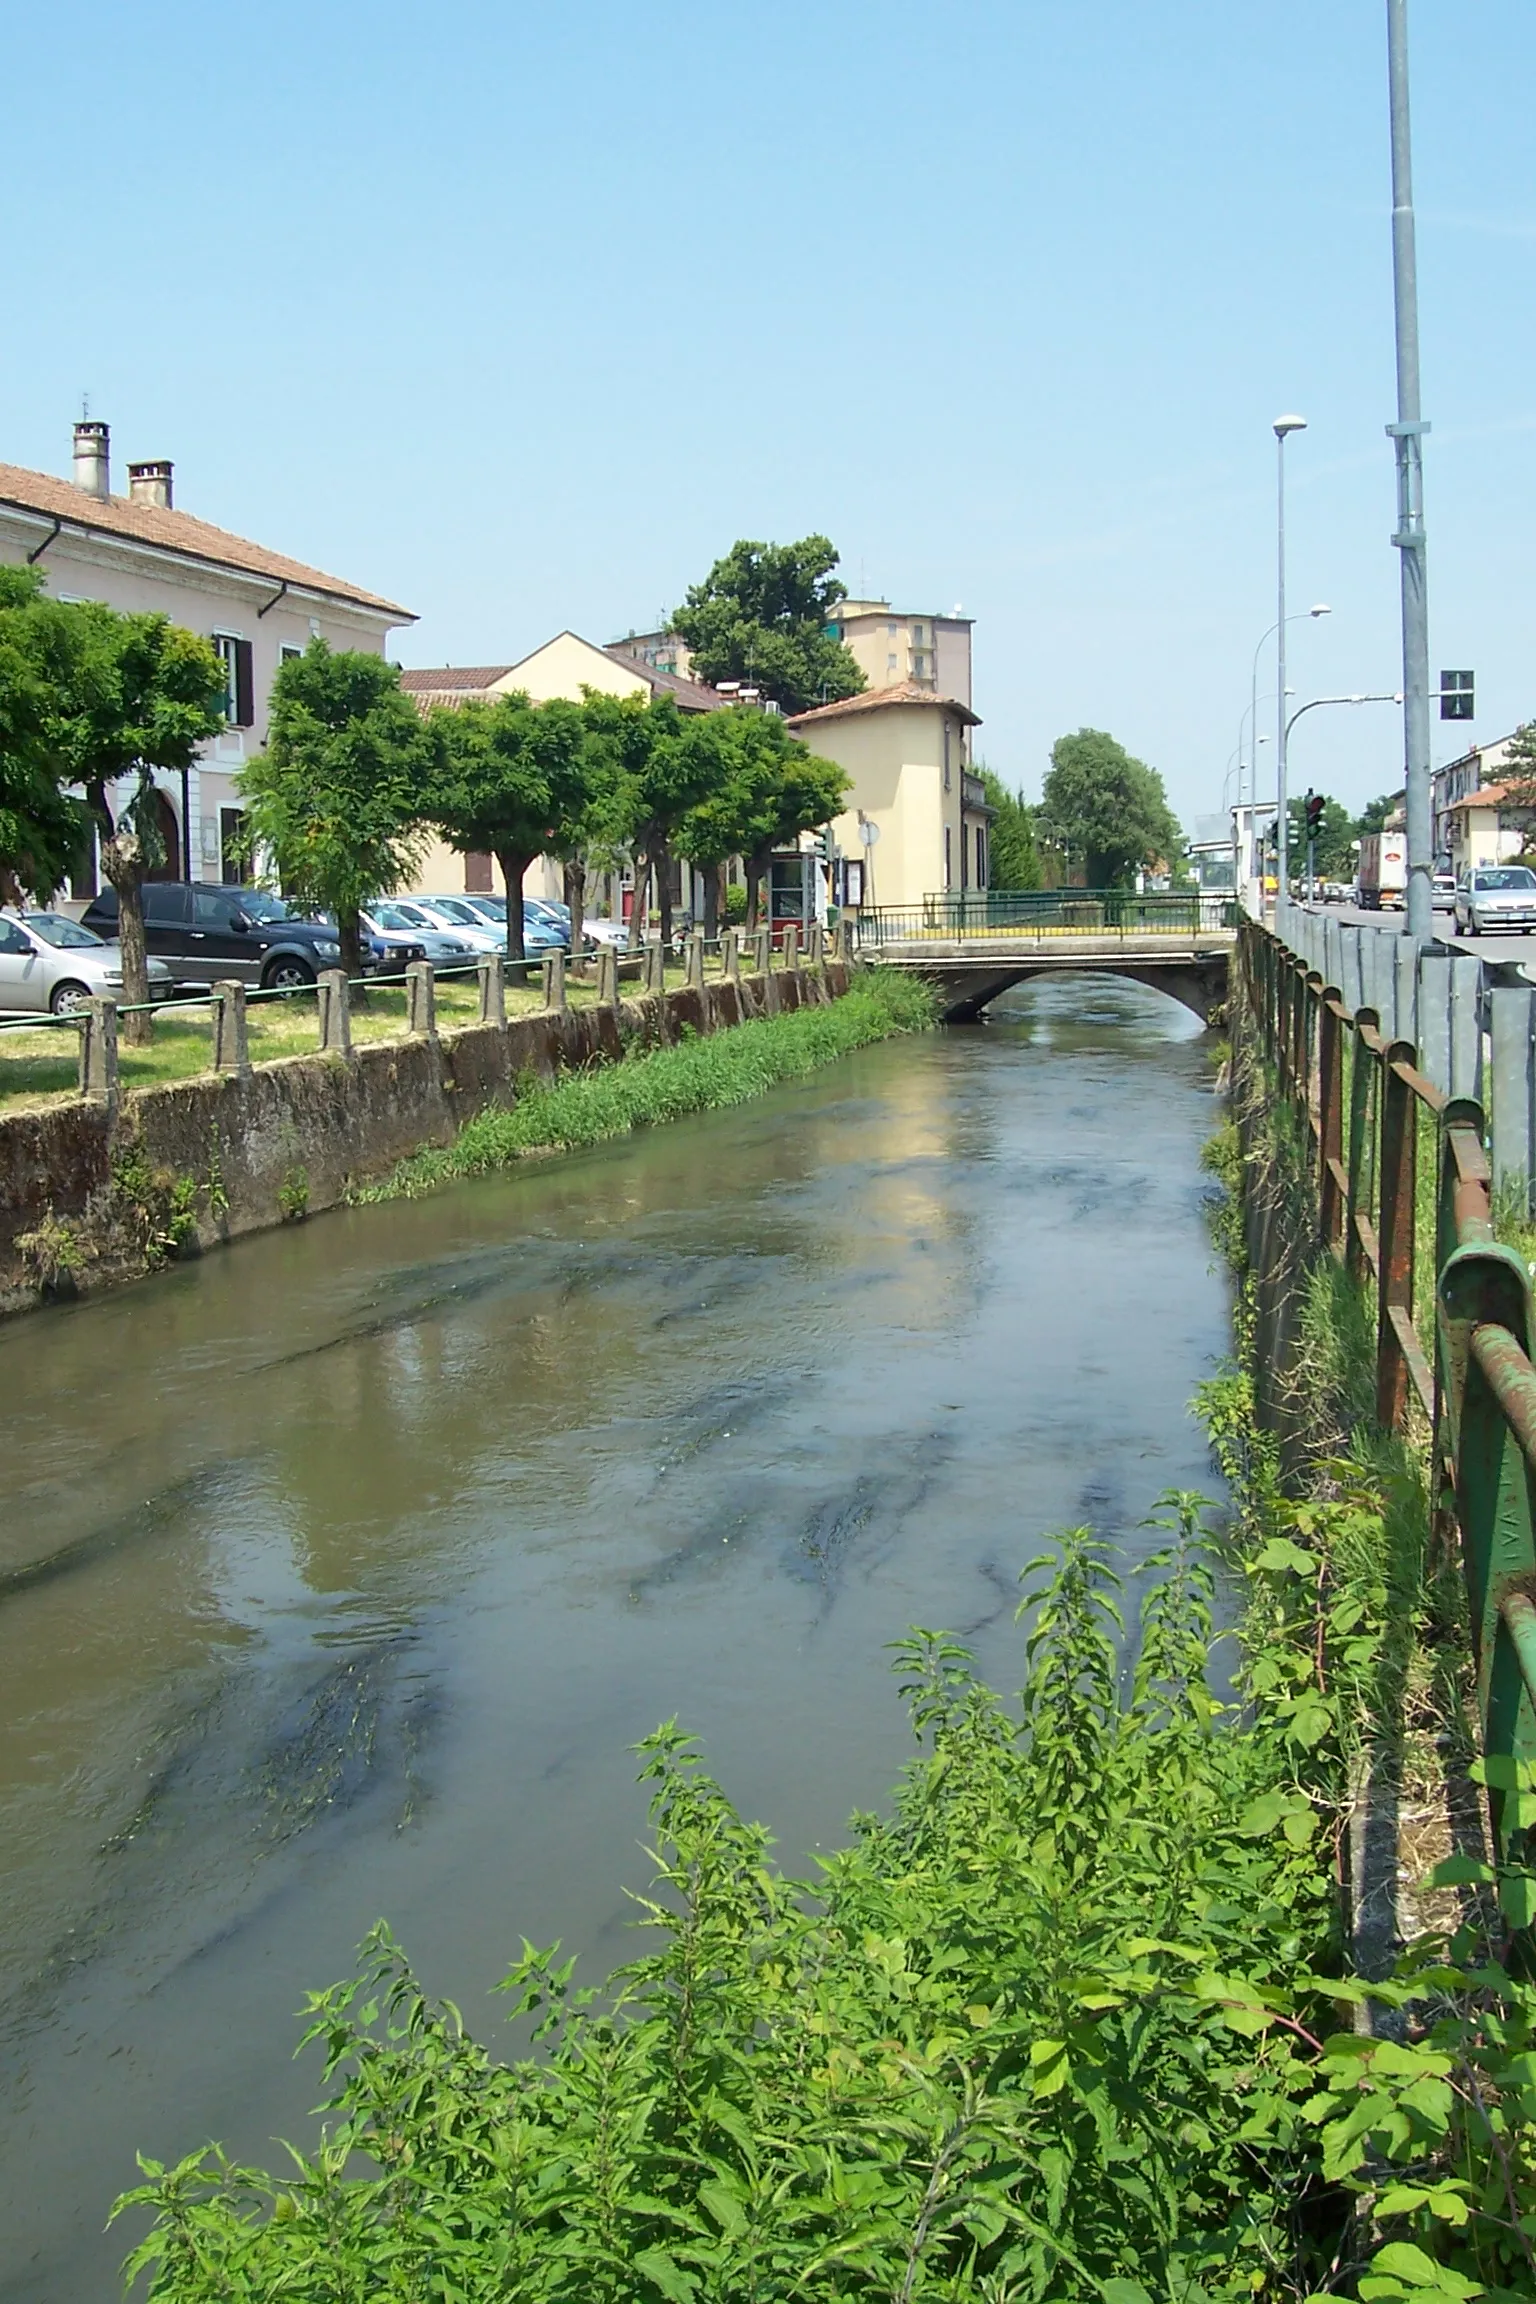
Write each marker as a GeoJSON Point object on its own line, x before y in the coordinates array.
{"type": "Point", "coordinates": [1198, 982]}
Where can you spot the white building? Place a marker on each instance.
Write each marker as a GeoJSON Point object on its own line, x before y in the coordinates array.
{"type": "Point", "coordinates": [138, 552]}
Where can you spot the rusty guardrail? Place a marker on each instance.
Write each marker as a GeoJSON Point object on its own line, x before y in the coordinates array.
{"type": "Point", "coordinates": [1405, 1202]}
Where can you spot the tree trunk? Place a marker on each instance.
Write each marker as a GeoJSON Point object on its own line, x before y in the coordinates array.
{"type": "Point", "coordinates": [122, 860]}
{"type": "Point", "coordinates": [638, 906]}
{"type": "Point", "coordinates": [349, 935]}
{"type": "Point", "coordinates": [664, 891]}
{"type": "Point", "coordinates": [757, 865]}
{"type": "Point", "coordinates": [513, 866]}
{"type": "Point", "coordinates": [714, 877]}
{"type": "Point", "coordinates": [576, 899]}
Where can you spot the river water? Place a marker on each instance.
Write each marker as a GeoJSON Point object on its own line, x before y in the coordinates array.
{"type": "Point", "coordinates": [338, 1573]}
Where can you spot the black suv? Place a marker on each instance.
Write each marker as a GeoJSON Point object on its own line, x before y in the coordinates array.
{"type": "Point", "coordinates": [207, 934]}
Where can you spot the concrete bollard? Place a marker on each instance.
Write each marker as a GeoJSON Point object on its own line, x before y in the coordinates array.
{"type": "Point", "coordinates": [791, 954]}
{"type": "Point", "coordinates": [1512, 1035]}
{"type": "Point", "coordinates": [655, 977]}
{"type": "Point", "coordinates": [98, 1050]}
{"type": "Point", "coordinates": [607, 976]}
{"type": "Point", "coordinates": [421, 1000]}
{"type": "Point", "coordinates": [842, 942]}
{"type": "Point", "coordinates": [554, 980]}
{"type": "Point", "coordinates": [816, 945]}
{"type": "Point", "coordinates": [762, 951]}
{"type": "Point", "coordinates": [696, 963]}
{"type": "Point", "coordinates": [231, 1038]}
{"type": "Point", "coordinates": [335, 1001]}
{"type": "Point", "coordinates": [730, 956]}
{"type": "Point", "coordinates": [491, 971]}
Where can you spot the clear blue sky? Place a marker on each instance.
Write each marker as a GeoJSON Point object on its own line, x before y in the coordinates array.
{"type": "Point", "coordinates": [520, 315]}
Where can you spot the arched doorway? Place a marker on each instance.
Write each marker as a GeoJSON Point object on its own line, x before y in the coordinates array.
{"type": "Point", "coordinates": [170, 842]}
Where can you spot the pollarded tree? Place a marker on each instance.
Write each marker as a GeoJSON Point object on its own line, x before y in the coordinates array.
{"type": "Point", "coordinates": [1108, 808]}
{"type": "Point", "coordinates": [761, 614]}
{"type": "Point", "coordinates": [511, 782]}
{"type": "Point", "coordinates": [41, 827]}
{"type": "Point", "coordinates": [338, 795]}
{"type": "Point", "coordinates": [129, 695]}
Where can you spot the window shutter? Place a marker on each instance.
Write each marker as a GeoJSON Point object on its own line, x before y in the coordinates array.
{"type": "Point", "coordinates": [245, 686]}
{"type": "Point", "coordinates": [479, 877]}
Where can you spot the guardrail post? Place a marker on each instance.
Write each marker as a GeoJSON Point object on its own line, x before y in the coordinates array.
{"type": "Point", "coordinates": [553, 972]}
{"type": "Point", "coordinates": [491, 971]}
{"type": "Point", "coordinates": [1330, 1119]}
{"type": "Point", "coordinates": [730, 955]}
{"type": "Point", "coordinates": [1466, 1028]}
{"type": "Point", "coordinates": [696, 963]}
{"type": "Point", "coordinates": [607, 976]}
{"type": "Point", "coordinates": [334, 1005]}
{"type": "Point", "coordinates": [1396, 1179]}
{"type": "Point", "coordinates": [1512, 1021]}
{"type": "Point", "coordinates": [98, 1050]}
{"type": "Point", "coordinates": [421, 1000]}
{"type": "Point", "coordinates": [231, 1037]}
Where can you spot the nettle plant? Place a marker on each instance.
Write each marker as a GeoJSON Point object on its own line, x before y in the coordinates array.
{"type": "Point", "coordinates": [1060, 2027]}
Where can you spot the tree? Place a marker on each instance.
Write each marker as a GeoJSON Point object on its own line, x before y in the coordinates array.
{"type": "Point", "coordinates": [761, 615]}
{"type": "Point", "coordinates": [1013, 861]}
{"type": "Point", "coordinates": [1109, 808]}
{"type": "Point", "coordinates": [1373, 816]}
{"type": "Point", "coordinates": [511, 780]}
{"type": "Point", "coordinates": [41, 827]}
{"type": "Point", "coordinates": [338, 795]}
{"type": "Point", "coordinates": [1518, 776]}
{"type": "Point", "coordinates": [764, 789]}
{"type": "Point", "coordinates": [652, 770]}
{"type": "Point", "coordinates": [129, 694]}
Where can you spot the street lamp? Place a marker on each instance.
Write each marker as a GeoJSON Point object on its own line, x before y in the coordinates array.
{"type": "Point", "coordinates": [1284, 427]}
{"type": "Point", "coordinates": [1252, 714]}
{"type": "Point", "coordinates": [1408, 440]}
{"type": "Point", "coordinates": [1316, 705]}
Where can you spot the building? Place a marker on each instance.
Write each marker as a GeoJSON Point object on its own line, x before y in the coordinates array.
{"type": "Point", "coordinates": [563, 666]}
{"type": "Point", "coordinates": [140, 552]}
{"type": "Point", "coordinates": [892, 647]}
{"type": "Point", "coordinates": [1465, 804]}
{"type": "Point", "coordinates": [917, 821]}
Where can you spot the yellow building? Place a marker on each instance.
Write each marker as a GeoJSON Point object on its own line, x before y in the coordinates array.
{"type": "Point", "coordinates": [890, 645]}
{"type": "Point", "coordinates": [906, 752]}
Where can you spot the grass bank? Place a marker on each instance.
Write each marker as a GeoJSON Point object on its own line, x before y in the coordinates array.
{"type": "Point", "coordinates": [653, 1085]}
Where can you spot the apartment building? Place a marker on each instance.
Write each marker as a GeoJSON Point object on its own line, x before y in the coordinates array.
{"type": "Point", "coordinates": [892, 646]}
{"type": "Point", "coordinates": [141, 552]}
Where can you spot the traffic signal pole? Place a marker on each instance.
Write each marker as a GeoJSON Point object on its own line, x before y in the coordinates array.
{"type": "Point", "coordinates": [1408, 439]}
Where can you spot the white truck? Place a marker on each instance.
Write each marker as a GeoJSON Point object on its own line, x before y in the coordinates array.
{"type": "Point", "coordinates": [1382, 881]}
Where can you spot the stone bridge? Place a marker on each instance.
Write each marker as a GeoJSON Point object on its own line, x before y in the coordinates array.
{"type": "Point", "coordinates": [969, 971]}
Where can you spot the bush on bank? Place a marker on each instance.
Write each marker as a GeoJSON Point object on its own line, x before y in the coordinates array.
{"type": "Point", "coordinates": [654, 1085]}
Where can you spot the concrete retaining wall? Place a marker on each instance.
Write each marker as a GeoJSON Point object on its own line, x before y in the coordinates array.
{"type": "Point", "coordinates": [294, 1136]}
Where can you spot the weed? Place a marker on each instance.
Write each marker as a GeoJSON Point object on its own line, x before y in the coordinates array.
{"type": "Point", "coordinates": [293, 1195]}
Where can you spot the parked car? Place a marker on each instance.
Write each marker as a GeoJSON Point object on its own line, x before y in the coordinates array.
{"type": "Point", "coordinates": [432, 916]}
{"type": "Point", "coordinates": [205, 933]}
{"type": "Point", "coordinates": [404, 938]}
{"type": "Point", "coordinates": [1443, 891]}
{"type": "Point", "coordinates": [543, 928]}
{"type": "Point", "coordinates": [1494, 897]}
{"type": "Point", "coordinates": [606, 932]}
{"type": "Point", "coordinates": [52, 963]}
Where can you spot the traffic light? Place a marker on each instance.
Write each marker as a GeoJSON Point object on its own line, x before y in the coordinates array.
{"type": "Point", "coordinates": [1456, 696]}
{"type": "Point", "coordinates": [1315, 806]}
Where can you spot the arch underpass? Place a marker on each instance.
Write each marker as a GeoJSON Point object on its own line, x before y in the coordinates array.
{"type": "Point", "coordinates": [969, 973]}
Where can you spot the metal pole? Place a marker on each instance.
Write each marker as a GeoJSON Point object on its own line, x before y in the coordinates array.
{"type": "Point", "coordinates": [1407, 435]}
{"type": "Point", "coordinates": [1282, 829]}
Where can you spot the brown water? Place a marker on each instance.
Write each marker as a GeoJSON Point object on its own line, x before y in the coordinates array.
{"type": "Point", "coordinates": [369, 1547]}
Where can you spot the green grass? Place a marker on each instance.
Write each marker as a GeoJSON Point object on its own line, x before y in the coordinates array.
{"type": "Point", "coordinates": [692, 1075]}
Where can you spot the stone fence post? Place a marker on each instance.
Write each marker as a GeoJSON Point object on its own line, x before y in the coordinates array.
{"type": "Point", "coordinates": [421, 1000]}
{"type": "Point", "coordinates": [492, 973]}
{"type": "Point", "coordinates": [762, 952]}
{"type": "Point", "coordinates": [696, 963]}
{"type": "Point", "coordinates": [791, 955]}
{"type": "Point", "coordinates": [607, 976]}
{"type": "Point", "coordinates": [655, 979]}
{"type": "Point", "coordinates": [730, 955]}
{"type": "Point", "coordinates": [231, 1038]}
{"type": "Point", "coordinates": [554, 980]}
{"type": "Point", "coordinates": [98, 1050]}
{"type": "Point", "coordinates": [335, 1013]}
{"type": "Point", "coordinates": [816, 944]}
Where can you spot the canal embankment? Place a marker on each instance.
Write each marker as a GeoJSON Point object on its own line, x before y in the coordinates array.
{"type": "Point", "coordinates": [107, 1186]}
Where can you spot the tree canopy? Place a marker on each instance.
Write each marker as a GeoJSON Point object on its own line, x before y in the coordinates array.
{"type": "Point", "coordinates": [761, 615]}
{"type": "Point", "coordinates": [765, 788]}
{"type": "Point", "coordinates": [511, 781]}
{"type": "Point", "coordinates": [1108, 809]}
{"type": "Point", "coordinates": [654, 767]}
{"type": "Point", "coordinates": [1013, 861]}
{"type": "Point", "coordinates": [1373, 816]}
{"type": "Point", "coordinates": [41, 827]}
{"type": "Point", "coordinates": [339, 793]}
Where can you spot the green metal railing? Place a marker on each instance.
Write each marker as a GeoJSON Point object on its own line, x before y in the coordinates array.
{"type": "Point", "coordinates": [1404, 1201]}
{"type": "Point", "coordinates": [1046, 912]}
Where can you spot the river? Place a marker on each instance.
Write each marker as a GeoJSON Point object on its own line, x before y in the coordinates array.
{"type": "Point", "coordinates": [339, 1572]}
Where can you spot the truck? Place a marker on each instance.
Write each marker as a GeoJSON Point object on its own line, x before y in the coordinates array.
{"type": "Point", "coordinates": [1382, 880]}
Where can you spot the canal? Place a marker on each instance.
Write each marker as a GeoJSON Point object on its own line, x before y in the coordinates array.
{"type": "Point", "coordinates": [339, 1572]}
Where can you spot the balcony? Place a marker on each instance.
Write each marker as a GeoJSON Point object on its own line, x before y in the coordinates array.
{"type": "Point", "coordinates": [973, 793]}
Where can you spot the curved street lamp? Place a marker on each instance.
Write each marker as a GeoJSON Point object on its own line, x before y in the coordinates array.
{"type": "Point", "coordinates": [1315, 705]}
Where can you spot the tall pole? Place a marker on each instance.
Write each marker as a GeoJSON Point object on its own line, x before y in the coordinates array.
{"type": "Point", "coordinates": [1284, 426]}
{"type": "Point", "coordinates": [1408, 436]}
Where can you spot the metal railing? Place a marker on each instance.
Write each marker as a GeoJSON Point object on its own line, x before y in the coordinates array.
{"type": "Point", "coordinates": [1404, 1198]}
{"type": "Point", "coordinates": [1045, 912]}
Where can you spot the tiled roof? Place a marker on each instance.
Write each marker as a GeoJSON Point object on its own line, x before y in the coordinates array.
{"type": "Point", "coordinates": [177, 532]}
{"type": "Point", "coordinates": [1490, 796]}
{"type": "Point", "coordinates": [878, 699]}
{"type": "Point", "coordinates": [460, 678]}
{"type": "Point", "coordinates": [691, 697]}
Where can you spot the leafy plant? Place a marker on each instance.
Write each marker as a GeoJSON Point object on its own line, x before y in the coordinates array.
{"type": "Point", "coordinates": [293, 1195]}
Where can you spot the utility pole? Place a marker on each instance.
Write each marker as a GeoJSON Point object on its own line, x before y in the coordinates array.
{"type": "Point", "coordinates": [1408, 437]}
{"type": "Point", "coordinates": [1284, 427]}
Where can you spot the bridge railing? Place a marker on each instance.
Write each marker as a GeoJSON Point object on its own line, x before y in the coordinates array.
{"type": "Point", "coordinates": [1404, 1199]}
{"type": "Point", "coordinates": [1044, 912]}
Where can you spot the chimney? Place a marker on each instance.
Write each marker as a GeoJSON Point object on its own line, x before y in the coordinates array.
{"type": "Point", "coordinates": [92, 457]}
{"type": "Point", "coordinates": [151, 483]}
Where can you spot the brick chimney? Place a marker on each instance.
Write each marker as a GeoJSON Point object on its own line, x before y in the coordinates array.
{"type": "Point", "coordinates": [151, 483]}
{"type": "Point", "coordinates": [93, 458]}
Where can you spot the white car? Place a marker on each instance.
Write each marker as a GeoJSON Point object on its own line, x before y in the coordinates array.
{"type": "Point", "coordinates": [1495, 898]}
{"type": "Point", "coordinates": [389, 925]}
{"type": "Point", "coordinates": [49, 963]}
{"type": "Point", "coordinates": [439, 916]}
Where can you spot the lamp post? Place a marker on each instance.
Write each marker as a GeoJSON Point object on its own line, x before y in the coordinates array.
{"type": "Point", "coordinates": [1284, 427]}
{"type": "Point", "coordinates": [1252, 714]}
{"type": "Point", "coordinates": [1316, 705]}
{"type": "Point", "coordinates": [1408, 440]}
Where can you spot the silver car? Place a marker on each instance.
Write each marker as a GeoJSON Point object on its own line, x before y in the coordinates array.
{"type": "Point", "coordinates": [48, 962]}
{"type": "Point", "coordinates": [1491, 898]}
{"type": "Point", "coordinates": [388, 925]}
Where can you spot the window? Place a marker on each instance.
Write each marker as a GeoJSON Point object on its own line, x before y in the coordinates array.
{"type": "Point", "coordinates": [890, 663]}
{"type": "Point", "coordinates": [917, 635]}
{"type": "Point", "coordinates": [946, 755]}
{"type": "Point", "coordinates": [947, 867]}
{"type": "Point", "coordinates": [211, 909]}
{"type": "Point", "coordinates": [239, 684]}
{"type": "Point", "coordinates": [479, 874]}
{"type": "Point", "coordinates": [289, 653]}
{"type": "Point", "coordinates": [890, 630]}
